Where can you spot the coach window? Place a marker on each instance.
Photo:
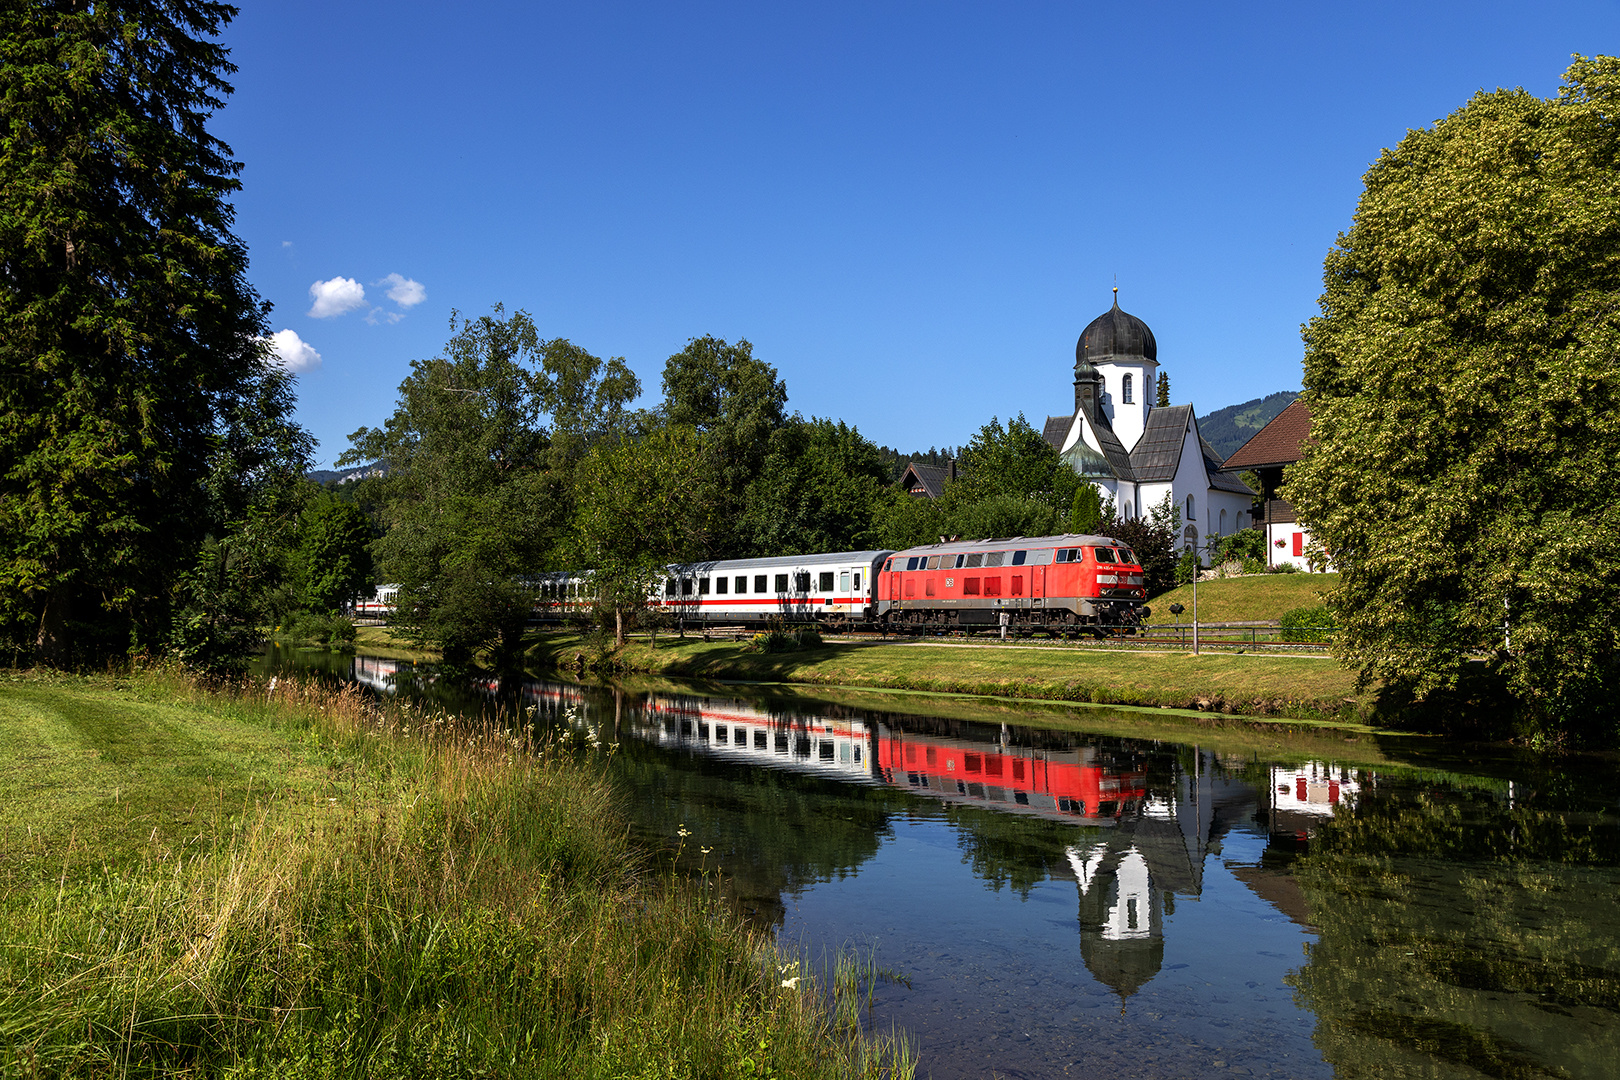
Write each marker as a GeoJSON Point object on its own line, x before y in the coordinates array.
{"type": "Point", "coordinates": [801, 581]}
{"type": "Point", "coordinates": [720, 584]}
{"type": "Point", "coordinates": [669, 586]}
{"type": "Point", "coordinates": [703, 586]}
{"type": "Point", "coordinates": [781, 583]}
{"type": "Point", "coordinates": [843, 581]}
{"type": "Point", "coordinates": [686, 586]}
{"type": "Point", "coordinates": [1019, 557]}
{"type": "Point", "coordinates": [826, 582]}
{"type": "Point", "coordinates": [742, 584]}
{"type": "Point", "coordinates": [857, 581]}
{"type": "Point", "coordinates": [759, 583]}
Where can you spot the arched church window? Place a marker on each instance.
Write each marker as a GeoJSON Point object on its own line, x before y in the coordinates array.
{"type": "Point", "coordinates": [1191, 517]}
{"type": "Point", "coordinates": [1125, 390]}
{"type": "Point", "coordinates": [1223, 523]}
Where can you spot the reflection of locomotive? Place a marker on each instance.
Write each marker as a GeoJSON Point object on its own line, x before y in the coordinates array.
{"type": "Point", "coordinates": [1046, 583]}
{"type": "Point", "coordinates": [1079, 783]}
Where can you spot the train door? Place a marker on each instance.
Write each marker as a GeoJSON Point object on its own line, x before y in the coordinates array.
{"type": "Point", "coordinates": [1037, 582]}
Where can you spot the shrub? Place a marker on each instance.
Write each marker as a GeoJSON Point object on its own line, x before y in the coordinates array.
{"type": "Point", "coordinates": [1314, 623]}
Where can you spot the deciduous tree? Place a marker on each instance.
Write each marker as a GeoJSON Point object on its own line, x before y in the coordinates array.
{"type": "Point", "coordinates": [1465, 402]}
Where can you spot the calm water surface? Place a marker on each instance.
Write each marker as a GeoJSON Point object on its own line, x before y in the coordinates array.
{"type": "Point", "coordinates": [1065, 904]}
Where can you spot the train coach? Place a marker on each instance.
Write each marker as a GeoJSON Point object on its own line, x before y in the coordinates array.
{"type": "Point", "coordinates": [835, 588]}
{"type": "Point", "coordinates": [1067, 584]}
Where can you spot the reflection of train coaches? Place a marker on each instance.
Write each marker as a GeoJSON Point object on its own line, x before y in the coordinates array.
{"type": "Point", "coordinates": [1047, 582]}
{"type": "Point", "coordinates": [736, 731]}
{"type": "Point", "coordinates": [836, 587]}
{"type": "Point", "coordinates": [1075, 784]}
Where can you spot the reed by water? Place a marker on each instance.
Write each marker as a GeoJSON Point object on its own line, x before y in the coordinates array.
{"type": "Point", "coordinates": [429, 897]}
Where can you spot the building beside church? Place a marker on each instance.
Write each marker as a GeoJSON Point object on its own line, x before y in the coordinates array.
{"type": "Point", "coordinates": [1133, 452]}
{"type": "Point", "coordinates": [1268, 452]}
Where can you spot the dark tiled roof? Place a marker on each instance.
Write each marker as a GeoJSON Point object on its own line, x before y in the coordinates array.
{"type": "Point", "coordinates": [1119, 459]}
{"type": "Point", "coordinates": [1057, 427]}
{"type": "Point", "coordinates": [1278, 443]}
{"type": "Point", "coordinates": [1157, 454]}
{"type": "Point", "coordinates": [1220, 481]}
{"type": "Point", "coordinates": [931, 478]}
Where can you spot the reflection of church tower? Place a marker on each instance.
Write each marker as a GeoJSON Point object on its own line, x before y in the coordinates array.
{"type": "Point", "coordinates": [1121, 916]}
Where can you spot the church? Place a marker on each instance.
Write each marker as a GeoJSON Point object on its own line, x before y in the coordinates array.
{"type": "Point", "coordinates": [1136, 453]}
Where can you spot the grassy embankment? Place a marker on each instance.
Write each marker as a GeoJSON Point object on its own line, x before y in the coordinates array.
{"type": "Point", "coordinates": [1262, 685]}
{"type": "Point", "coordinates": [305, 884]}
{"type": "Point", "coordinates": [1256, 598]}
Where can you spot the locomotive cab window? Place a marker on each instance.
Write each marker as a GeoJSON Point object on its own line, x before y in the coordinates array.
{"type": "Point", "coordinates": [911, 562]}
{"type": "Point", "coordinates": [1104, 555]}
{"type": "Point", "coordinates": [1019, 557]}
{"type": "Point", "coordinates": [1127, 555]}
{"type": "Point", "coordinates": [759, 583]}
{"type": "Point", "coordinates": [826, 582]}
{"type": "Point", "coordinates": [781, 583]}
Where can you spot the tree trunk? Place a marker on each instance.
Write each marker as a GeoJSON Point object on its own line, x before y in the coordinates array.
{"type": "Point", "coordinates": [618, 627]}
{"type": "Point", "coordinates": [52, 647]}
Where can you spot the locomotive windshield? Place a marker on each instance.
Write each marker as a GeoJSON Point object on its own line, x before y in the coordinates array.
{"type": "Point", "coordinates": [1105, 555]}
{"type": "Point", "coordinates": [1127, 555]}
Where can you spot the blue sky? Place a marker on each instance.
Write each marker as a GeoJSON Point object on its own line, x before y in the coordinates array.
{"type": "Point", "coordinates": [911, 210]}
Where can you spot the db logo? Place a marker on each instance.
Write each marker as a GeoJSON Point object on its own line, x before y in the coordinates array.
{"type": "Point", "coordinates": [949, 582]}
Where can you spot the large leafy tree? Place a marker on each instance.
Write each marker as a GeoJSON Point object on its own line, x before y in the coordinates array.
{"type": "Point", "coordinates": [734, 401]}
{"type": "Point", "coordinates": [135, 402]}
{"type": "Point", "coordinates": [476, 485]}
{"type": "Point", "coordinates": [818, 490]}
{"type": "Point", "coordinates": [1465, 400]}
{"type": "Point", "coordinates": [641, 504]}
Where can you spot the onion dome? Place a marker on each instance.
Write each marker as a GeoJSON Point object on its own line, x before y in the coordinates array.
{"type": "Point", "coordinates": [1115, 335]}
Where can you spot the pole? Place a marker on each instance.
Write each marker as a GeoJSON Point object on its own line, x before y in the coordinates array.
{"type": "Point", "coordinates": [1195, 604]}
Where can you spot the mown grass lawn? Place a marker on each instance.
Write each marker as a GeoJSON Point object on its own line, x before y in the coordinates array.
{"type": "Point", "coordinates": [304, 882]}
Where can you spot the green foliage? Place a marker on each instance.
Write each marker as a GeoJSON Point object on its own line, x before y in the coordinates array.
{"type": "Point", "coordinates": [139, 419]}
{"type": "Point", "coordinates": [640, 505]}
{"type": "Point", "coordinates": [1162, 397]}
{"type": "Point", "coordinates": [779, 640]}
{"type": "Point", "coordinates": [1466, 403]}
{"type": "Point", "coordinates": [1187, 565]}
{"type": "Point", "coordinates": [735, 402]}
{"type": "Point", "coordinates": [1154, 539]}
{"type": "Point", "coordinates": [1013, 460]}
{"type": "Point", "coordinates": [1086, 511]}
{"type": "Point", "coordinates": [1313, 623]}
{"type": "Point", "coordinates": [468, 500]}
{"type": "Point", "coordinates": [818, 490]}
{"type": "Point", "coordinates": [1243, 545]}
{"type": "Point", "coordinates": [334, 553]}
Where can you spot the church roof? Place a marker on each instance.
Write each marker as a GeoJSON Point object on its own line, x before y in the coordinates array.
{"type": "Point", "coordinates": [1057, 427]}
{"type": "Point", "coordinates": [1115, 335]}
{"type": "Point", "coordinates": [1157, 454]}
{"type": "Point", "coordinates": [1280, 442]}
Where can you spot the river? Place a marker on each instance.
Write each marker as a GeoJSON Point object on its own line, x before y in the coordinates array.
{"type": "Point", "coordinates": [1053, 902]}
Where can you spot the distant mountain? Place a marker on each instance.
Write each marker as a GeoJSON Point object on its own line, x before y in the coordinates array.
{"type": "Point", "coordinates": [1229, 428]}
{"type": "Point", "coordinates": [343, 476]}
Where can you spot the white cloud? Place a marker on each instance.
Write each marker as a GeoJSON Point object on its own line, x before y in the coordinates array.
{"type": "Point", "coordinates": [376, 316]}
{"type": "Point", "coordinates": [335, 297]}
{"type": "Point", "coordinates": [403, 291]}
{"type": "Point", "coordinates": [292, 352]}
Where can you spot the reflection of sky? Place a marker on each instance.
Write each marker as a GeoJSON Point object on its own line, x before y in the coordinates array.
{"type": "Point", "coordinates": [998, 982]}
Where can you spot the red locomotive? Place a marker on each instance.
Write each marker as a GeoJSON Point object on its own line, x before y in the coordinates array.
{"type": "Point", "coordinates": [1057, 584]}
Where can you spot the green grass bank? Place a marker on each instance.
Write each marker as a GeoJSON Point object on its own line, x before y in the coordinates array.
{"type": "Point", "coordinates": [299, 882]}
{"type": "Point", "coordinates": [1255, 598]}
{"type": "Point", "coordinates": [1310, 688]}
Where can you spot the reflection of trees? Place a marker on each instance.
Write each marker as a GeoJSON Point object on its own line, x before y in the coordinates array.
{"type": "Point", "coordinates": [1461, 935]}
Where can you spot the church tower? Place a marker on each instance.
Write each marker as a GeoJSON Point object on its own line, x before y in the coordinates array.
{"type": "Point", "coordinates": [1121, 348]}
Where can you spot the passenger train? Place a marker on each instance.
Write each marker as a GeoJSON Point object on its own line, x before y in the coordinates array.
{"type": "Point", "coordinates": [1065, 584]}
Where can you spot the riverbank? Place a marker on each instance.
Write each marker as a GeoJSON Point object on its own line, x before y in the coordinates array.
{"type": "Point", "coordinates": [1296, 687]}
{"type": "Point", "coordinates": [266, 882]}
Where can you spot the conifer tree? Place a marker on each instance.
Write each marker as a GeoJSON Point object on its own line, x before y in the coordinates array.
{"type": "Point", "coordinates": [138, 417]}
{"type": "Point", "coordinates": [1164, 390]}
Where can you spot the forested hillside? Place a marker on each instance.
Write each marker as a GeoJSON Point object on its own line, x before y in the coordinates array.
{"type": "Point", "coordinates": [1229, 428]}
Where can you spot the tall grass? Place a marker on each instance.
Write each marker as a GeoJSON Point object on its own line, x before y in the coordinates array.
{"type": "Point", "coordinates": [469, 906]}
